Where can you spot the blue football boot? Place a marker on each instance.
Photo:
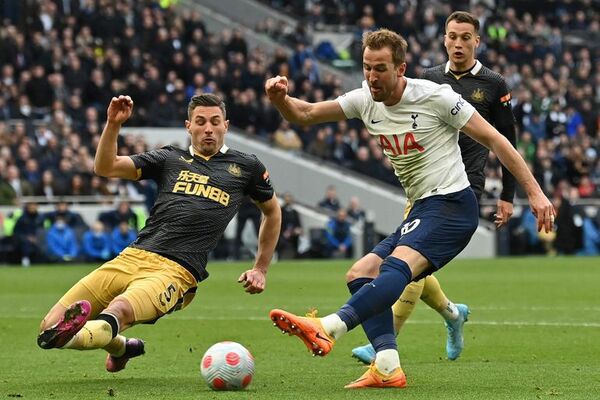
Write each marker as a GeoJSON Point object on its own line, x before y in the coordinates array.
{"type": "Point", "coordinates": [456, 342]}
{"type": "Point", "coordinates": [365, 354]}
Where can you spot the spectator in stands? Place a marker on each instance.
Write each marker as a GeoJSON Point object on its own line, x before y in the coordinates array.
{"type": "Point", "coordinates": [247, 212]}
{"type": "Point", "coordinates": [98, 186]}
{"type": "Point", "coordinates": [237, 44]}
{"type": "Point", "coordinates": [390, 19]}
{"type": "Point", "coordinates": [586, 187]}
{"type": "Point", "coordinates": [339, 237]}
{"type": "Point", "coordinates": [526, 147]}
{"type": "Point", "coordinates": [5, 111]}
{"type": "Point", "coordinates": [8, 196]}
{"type": "Point", "coordinates": [61, 210]}
{"type": "Point", "coordinates": [121, 237]}
{"type": "Point", "coordinates": [32, 173]}
{"type": "Point", "coordinates": [62, 244]}
{"type": "Point", "coordinates": [569, 218]}
{"type": "Point", "coordinates": [27, 234]}
{"type": "Point", "coordinates": [341, 152]}
{"type": "Point", "coordinates": [356, 213]}
{"type": "Point", "coordinates": [96, 245]}
{"type": "Point", "coordinates": [78, 186]}
{"type": "Point", "coordinates": [331, 202]}
{"type": "Point", "coordinates": [286, 138]}
{"type": "Point", "coordinates": [319, 147]}
{"type": "Point", "coordinates": [49, 187]}
{"type": "Point", "coordinates": [296, 62]}
{"type": "Point", "coordinates": [291, 229]}
{"type": "Point", "coordinates": [20, 186]}
{"type": "Point", "coordinates": [39, 92]}
{"type": "Point", "coordinates": [96, 92]}
{"type": "Point", "coordinates": [161, 111]}
{"type": "Point", "coordinates": [591, 238]}
{"type": "Point", "coordinates": [123, 213]}
{"type": "Point", "coordinates": [363, 163]}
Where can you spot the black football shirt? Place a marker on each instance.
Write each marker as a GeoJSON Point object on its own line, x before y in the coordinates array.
{"type": "Point", "coordinates": [487, 91]}
{"type": "Point", "coordinates": [197, 198]}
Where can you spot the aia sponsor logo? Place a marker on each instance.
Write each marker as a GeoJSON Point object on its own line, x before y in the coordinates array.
{"type": "Point", "coordinates": [399, 147]}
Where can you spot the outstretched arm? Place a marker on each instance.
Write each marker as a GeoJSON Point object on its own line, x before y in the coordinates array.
{"type": "Point", "coordinates": [254, 279]}
{"type": "Point", "coordinates": [479, 129]}
{"type": "Point", "coordinates": [505, 203]}
{"type": "Point", "coordinates": [107, 163]}
{"type": "Point", "coordinates": [298, 111]}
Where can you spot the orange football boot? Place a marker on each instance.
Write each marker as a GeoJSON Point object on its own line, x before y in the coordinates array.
{"type": "Point", "coordinates": [309, 329]}
{"type": "Point", "coordinates": [372, 378]}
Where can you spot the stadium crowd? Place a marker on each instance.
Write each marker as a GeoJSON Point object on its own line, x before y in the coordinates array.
{"type": "Point", "coordinates": [62, 61]}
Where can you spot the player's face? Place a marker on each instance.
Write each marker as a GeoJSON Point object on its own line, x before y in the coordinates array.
{"type": "Point", "coordinates": [207, 127]}
{"type": "Point", "coordinates": [461, 41]}
{"type": "Point", "coordinates": [382, 76]}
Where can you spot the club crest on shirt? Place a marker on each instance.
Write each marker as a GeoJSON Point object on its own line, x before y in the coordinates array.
{"type": "Point", "coordinates": [234, 170]}
{"type": "Point", "coordinates": [414, 118]}
{"type": "Point", "coordinates": [478, 95]}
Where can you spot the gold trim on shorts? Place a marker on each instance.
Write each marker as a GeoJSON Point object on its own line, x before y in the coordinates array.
{"type": "Point", "coordinates": [151, 283]}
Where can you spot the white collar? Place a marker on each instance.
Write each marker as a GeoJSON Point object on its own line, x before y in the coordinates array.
{"type": "Point", "coordinates": [223, 149]}
{"type": "Point", "coordinates": [475, 70]}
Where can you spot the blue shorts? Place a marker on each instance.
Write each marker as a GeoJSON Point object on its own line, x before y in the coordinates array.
{"type": "Point", "coordinates": [438, 227]}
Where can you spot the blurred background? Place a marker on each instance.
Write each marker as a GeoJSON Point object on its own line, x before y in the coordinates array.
{"type": "Point", "coordinates": [61, 61]}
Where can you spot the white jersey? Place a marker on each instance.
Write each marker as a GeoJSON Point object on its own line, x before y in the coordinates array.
{"type": "Point", "coordinates": [419, 134]}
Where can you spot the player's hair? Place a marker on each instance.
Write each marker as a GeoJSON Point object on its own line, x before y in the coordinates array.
{"type": "Point", "coordinates": [206, 100]}
{"type": "Point", "coordinates": [381, 38]}
{"type": "Point", "coordinates": [465, 17]}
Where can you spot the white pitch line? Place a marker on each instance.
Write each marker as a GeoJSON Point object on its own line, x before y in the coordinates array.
{"type": "Point", "coordinates": [418, 322]}
{"type": "Point", "coordinates": [534, 308]}
{"type": "Point", "coordinates": [178, 316]}
{"type": "Point", "coordinates": [419, 309]}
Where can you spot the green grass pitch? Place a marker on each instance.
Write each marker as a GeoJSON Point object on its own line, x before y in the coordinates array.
{"type": "Point", "coordinates": [534, 333]}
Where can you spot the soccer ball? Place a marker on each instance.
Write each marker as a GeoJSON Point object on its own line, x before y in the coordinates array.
{"type": "Point", "coordinates": [227, 366]}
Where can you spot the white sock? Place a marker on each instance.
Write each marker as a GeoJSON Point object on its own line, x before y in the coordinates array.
{"type": "Point", "coordinates": [387, 361]}
{"type": "Point", "coordinates": [334, 326]}
{"type": "Point", "coordinates": [450, 313]}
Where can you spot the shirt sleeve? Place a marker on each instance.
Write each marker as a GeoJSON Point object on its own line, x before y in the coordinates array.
{"type": "Point", "coordinates": [501, 109]}
{"type": "Point", "coordinates": [352, 103]}
{"type": "Point", "coordinates": [451, 107]}
{"type": "Point", "coordinates": [259, 188]}
{"type": "Point", "coordinates": [150, 164]}
{"type": "Point", "coordinates": [504, 121]}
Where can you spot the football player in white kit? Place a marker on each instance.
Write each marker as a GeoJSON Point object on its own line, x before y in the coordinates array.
{"type": "Point", "coordinates": [416, 123]}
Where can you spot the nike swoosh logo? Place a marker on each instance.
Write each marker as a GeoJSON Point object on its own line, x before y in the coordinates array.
{"type": "Point", "coordinates": [186, 160]}
{"type": "Point", "coordinates": [318, 335]}
{"type": "Point", "coordinates": [376, 122]}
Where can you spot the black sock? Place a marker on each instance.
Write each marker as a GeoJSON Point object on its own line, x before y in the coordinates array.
{"type": "Point", "coordinates": [112, 321]}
